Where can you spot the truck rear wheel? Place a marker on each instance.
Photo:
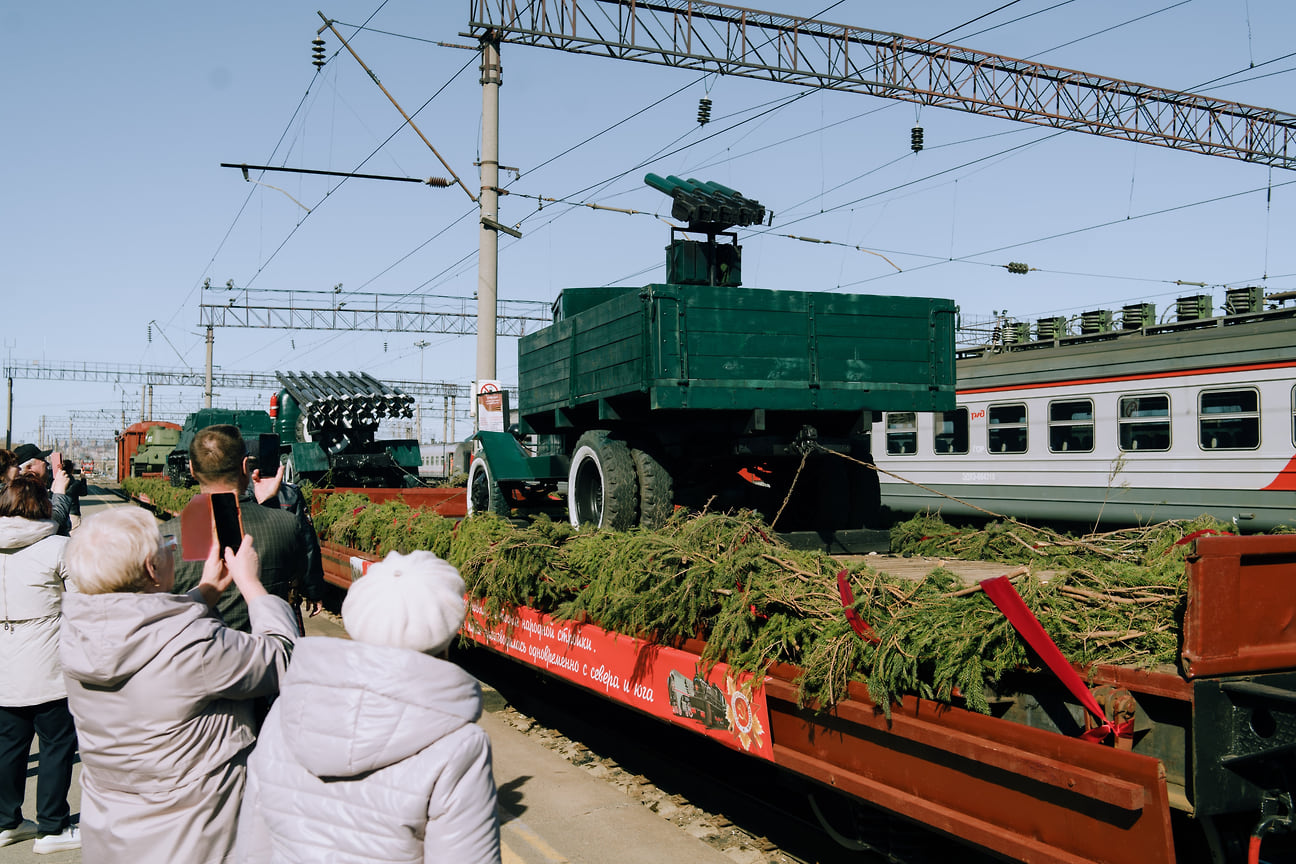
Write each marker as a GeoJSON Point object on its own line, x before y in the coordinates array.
{"type": "Point", "coordinates": [656, 490]}
{"type": "Point", "coordinates": [484, 494]}
{"type": "Point", "coordinates": [601, 483]}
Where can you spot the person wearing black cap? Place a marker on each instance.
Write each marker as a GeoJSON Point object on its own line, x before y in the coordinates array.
{"type": "Point", "coordinates": [31, 460]}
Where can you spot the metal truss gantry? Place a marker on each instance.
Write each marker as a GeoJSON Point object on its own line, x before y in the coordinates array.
{"type": "Point", "coordinates": [163, 376]}
{"type": "Point", "coordinates": [395, 313]}
{"type": "Point", "coordinates": [730, 40]}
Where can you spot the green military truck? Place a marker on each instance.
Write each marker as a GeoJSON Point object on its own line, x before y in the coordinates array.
{"type": "Point", "coordinates": [250, 423]}
{"type": "Point", "coordinates": [326, 424]}
{"type": "Point", "coordinates": [701, 393]}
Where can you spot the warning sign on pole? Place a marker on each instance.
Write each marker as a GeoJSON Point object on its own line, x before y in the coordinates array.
{"type": "Point", "coordinates": [491, 405]}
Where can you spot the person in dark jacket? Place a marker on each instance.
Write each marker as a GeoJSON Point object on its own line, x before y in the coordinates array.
{"type": "Point", "coordinates": [371, 753]}
{"type": "Point", "coordinates": [218, 459]}
{"type": "Point", "coordinates": [275, 492]}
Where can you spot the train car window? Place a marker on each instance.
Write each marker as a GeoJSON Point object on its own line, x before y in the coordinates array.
{"type": "Point", "coordinates": [951, 431]}
{"type": "Point", "coordinates": [1144, 422]}
{"type": "Point", "coordinates": [1229, 419]}
{"type": "Point", "coordinates": [901, 433]}
{"type": "Point", "coordinates": [1071, 426]}
{"type": "Point", "coordinates": [1006, 428]}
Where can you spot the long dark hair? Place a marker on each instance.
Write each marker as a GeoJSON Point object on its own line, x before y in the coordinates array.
{"type": "Point", "coordinates": [26, 497]}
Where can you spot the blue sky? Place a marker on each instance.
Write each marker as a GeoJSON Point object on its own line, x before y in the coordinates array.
{"type": "Point", "coordinates": [115, 209]}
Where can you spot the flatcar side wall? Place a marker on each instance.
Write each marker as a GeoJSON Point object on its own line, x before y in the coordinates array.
{"type": "Point", "coordinates": [1027, 794]}
{"type": "Point", "coordinates": [1241, 612]}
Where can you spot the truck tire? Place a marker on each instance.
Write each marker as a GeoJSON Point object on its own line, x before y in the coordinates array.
{"type": "Point", "coordinates": [601, 483]}
{"type": "Point", "coordinates": [484, 494]}
{"type": "Point", "coordinates": [656, 490]}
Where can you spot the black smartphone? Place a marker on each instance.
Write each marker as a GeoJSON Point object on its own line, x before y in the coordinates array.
{"type": "Point", "coordinates": [265, 453]}
{"type": "Point", "coordinates": [229, 525]}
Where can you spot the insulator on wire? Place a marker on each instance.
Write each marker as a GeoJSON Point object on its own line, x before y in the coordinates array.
{"type": "Point", "coordinates": [1017, 267]}
{"type": "Point", "coordinates": [916, 138]}
{"type": "Point", "coordinates": [317, 52]}
{"type": "Point", "coordinates": [438, 182]}
{"type": "Point", "coordinates": [704, 111]}
{"type": "Point", "coordinates": [150, 334]}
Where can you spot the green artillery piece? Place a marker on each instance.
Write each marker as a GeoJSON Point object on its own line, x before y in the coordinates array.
{"type": "Point", "coordinates": [710, 209]}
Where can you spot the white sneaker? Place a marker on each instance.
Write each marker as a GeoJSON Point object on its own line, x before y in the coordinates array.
{"type": "Point", "coordinates": [25, 831]}
{"type": "Point", "coordinates": [70, 838]}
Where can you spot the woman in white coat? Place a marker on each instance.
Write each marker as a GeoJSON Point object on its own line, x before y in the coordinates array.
{"type": "Point", "coordinates": [31, 681]}
{"type": "Point", "coordinates": [162, 691]}
{"type": "Point", "coordinates": [371, 753]}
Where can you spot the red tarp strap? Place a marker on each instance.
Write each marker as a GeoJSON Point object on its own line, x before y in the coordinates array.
{"type": "Point", "coordinates": [858, 624]}
{"type": "Point", "coordinates": [1001, 591]}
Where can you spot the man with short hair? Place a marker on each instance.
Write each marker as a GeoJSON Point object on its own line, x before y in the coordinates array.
{"type": "Point", "coordinates": [218, 460]}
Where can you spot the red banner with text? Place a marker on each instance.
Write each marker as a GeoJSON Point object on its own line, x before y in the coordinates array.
{"type": "Point", "coordinates": [664, 682]}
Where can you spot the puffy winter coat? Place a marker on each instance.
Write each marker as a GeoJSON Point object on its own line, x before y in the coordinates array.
{"type": "Point", "coordinates": [371, 754]}
{"type": "Point", "coordinates": [160, 690]}
{"type": "Point", "coordinates": [31, 597]}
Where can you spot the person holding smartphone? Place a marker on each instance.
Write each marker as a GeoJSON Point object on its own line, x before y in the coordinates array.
{"type": "Point", "coordinates": [218, 460]}
{"type": "Point", "coordinates": [162, 691]}
{"type": "Point", "coordinates": [32, 460]}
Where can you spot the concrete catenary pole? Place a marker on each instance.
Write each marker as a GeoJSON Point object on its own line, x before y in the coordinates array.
{"type": "Point", "coordinates": [488, 253]}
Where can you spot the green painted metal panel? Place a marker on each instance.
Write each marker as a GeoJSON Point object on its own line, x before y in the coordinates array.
{"type": "Point", "coordinates": [509, 462]}
{"type": "Point", "coordinates": [308, 456]}
{"type": "Point", "coordinates": [718, 347]}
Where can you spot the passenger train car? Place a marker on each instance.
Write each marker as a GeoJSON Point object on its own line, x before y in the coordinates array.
{"type": "Point", "coordinates": [1115, 426]}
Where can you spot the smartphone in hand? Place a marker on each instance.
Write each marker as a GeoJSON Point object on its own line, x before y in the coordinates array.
{"type": "Point", "coordinates": [229, 523]}
{"type": "Point", "coordinates": [264, 449]}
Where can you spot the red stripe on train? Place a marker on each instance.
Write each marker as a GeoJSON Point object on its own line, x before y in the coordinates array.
{"type": "Point", "coordinates": [1286, 479]}
{"type": "Point", "coordinates": [1143, 377]}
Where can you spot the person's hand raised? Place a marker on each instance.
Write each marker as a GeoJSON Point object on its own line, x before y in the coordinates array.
{"type": "Point", "coordinates": [61, 479]}
{"type": "Point", "coordinates": [265, 488]}
{"type": "Point", "coordinates": [245, 567]}
{"type": "Point", "coordinates": [216, 577]}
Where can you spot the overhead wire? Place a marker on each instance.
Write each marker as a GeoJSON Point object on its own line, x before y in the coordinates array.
{"type": "Point", "coordinates": [1073, 231]}
{"type": "Point", "coordinates": [613, 178]}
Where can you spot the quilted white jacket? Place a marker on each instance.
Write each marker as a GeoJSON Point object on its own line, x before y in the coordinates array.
{"type": "Point", "coordinates": [370, 754]}
{"type": "Point", "coordinates": [31, 597]}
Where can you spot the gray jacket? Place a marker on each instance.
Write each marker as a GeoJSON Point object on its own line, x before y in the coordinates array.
{"type": "Point", "coordinates": [371, 754]}
{"type": "Point", "coordinates": [160, 691]}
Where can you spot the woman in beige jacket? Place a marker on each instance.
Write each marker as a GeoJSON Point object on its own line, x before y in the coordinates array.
{"type": "Point", "coordinates": [161, 691]}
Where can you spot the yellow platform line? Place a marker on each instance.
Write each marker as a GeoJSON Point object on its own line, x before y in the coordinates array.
{"type": "Point", "coordinates": [529, 837]}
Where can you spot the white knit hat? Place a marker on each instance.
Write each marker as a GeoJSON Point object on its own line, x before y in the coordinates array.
{"type": "Point", "coordinates": [411, 601]}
